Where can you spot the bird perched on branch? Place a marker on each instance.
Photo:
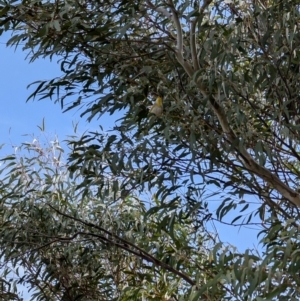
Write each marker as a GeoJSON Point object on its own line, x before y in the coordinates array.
{"type": "Point", "coordinates": [157, 108]}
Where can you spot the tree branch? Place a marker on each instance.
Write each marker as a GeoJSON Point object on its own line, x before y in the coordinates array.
{"type": "Point", "coordinates": [179, 46]}
{"type": "Point", "coordinates": [194, 22]}
{"type": "Point", "coordinates": [246, 158]}
{"type": "Point", "coordinates": [159, 9]}
{"type": "Point", "coordinates": [243, 154]}
{"type": "Point", "coordinates": [125, 245]}
{"type": "Point", "coordinates": [193, 44]}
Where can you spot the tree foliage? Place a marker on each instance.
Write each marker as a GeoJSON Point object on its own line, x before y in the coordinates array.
{"type": "Point", "coordinates": [66, 245]}
{"type": "Point", "coordinates": [228, 72]}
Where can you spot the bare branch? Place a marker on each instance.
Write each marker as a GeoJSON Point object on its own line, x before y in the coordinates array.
{"type": "Point", "coordinates": [174, 17]}
{"type": "Point", "coordinates": [193, 44]}
{"type": "Point", "coordinates": [179, 46]}
{"type": "Point", "coordinates": [194, 22]}
{"type": "Point", "coordinates": [187, 67]}
{"type": "Point", "coordinates": [159, 9]}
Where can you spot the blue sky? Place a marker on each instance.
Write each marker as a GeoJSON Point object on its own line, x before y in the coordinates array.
{"type": "Point", "coordinates": [19, 118]}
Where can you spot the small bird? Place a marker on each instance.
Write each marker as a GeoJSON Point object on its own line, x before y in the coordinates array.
{"type": "Point", "coordinates": [157, 108]}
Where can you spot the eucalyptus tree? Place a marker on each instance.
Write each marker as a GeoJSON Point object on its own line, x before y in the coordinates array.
{"type": "Point", "coordinates": [228, 74]}
{"type": "Point", "coordinates": [65, 243]}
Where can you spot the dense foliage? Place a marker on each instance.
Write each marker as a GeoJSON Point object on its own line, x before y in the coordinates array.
{"type": "Point", "coordinates": [66, 246]}
{"type": "Point", "coordinates": [228, 73]}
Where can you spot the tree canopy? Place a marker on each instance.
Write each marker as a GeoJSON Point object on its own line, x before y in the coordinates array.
{"type": "Point", "coordinates": [228, 74]}
{"type": "Point", "coordinates": [68, 247]}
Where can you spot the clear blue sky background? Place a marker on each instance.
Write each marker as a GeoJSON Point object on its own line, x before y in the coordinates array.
{"type": "Point", "coordinates": [19, 118]}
